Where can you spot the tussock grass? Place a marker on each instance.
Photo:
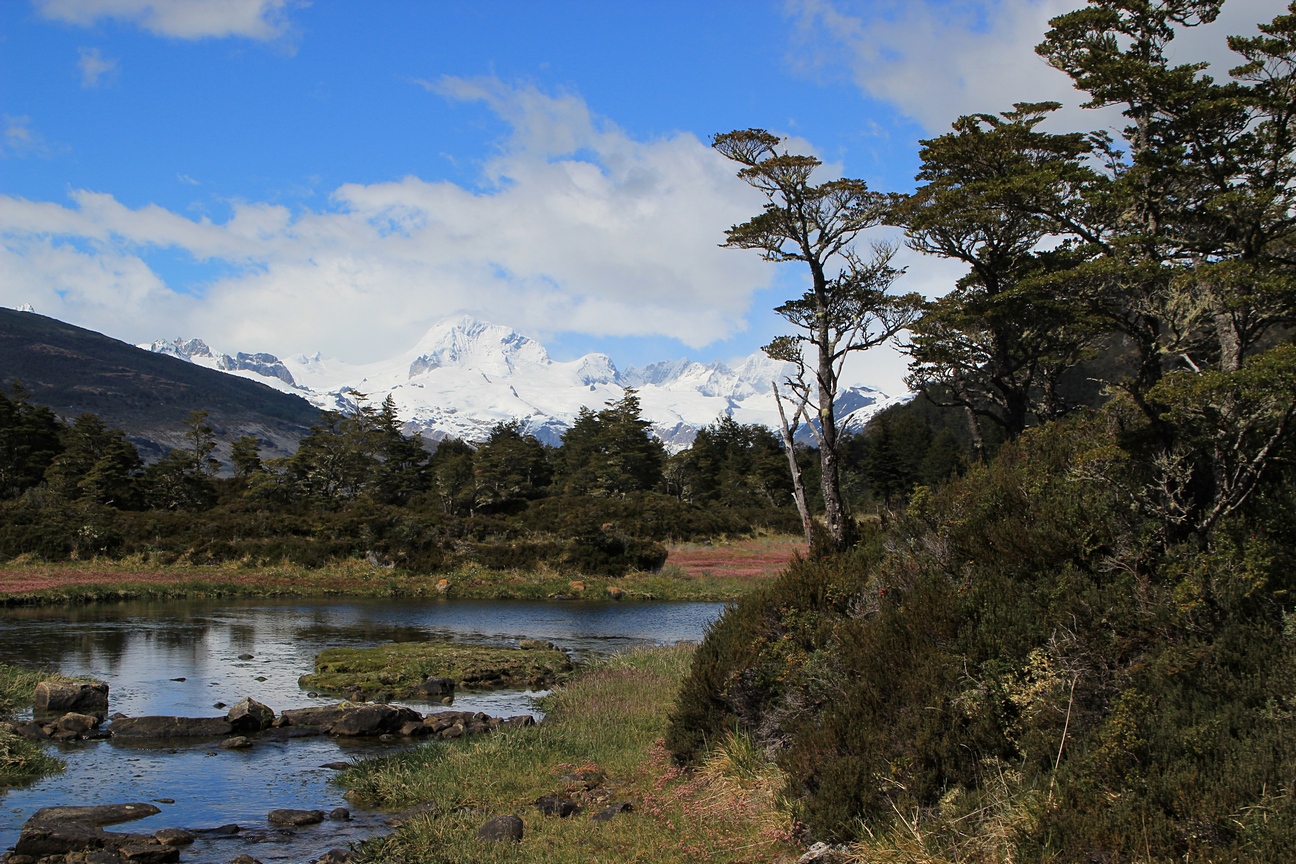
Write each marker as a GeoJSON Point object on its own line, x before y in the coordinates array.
{"type": "Point", "coordinates": [606, 723]}
{"type": "Point", "coordinates": [21, 760]}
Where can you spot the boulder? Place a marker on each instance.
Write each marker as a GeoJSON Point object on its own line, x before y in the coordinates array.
{"type": "Point", "coordinates": [502, 828]}
{"type": "Point", "coordinates": [555, 805]}
{"type": "Point", "coordinates": [27, 729]}
{"type": "Point", "coordinates": [78, 723]}
{"type": "Point", "coordinates": [98, 814]}
{"type": "Point", "coordinates": [296, 817]}
{"type": "Point", "coordinates": [171, 727]}
{"type": "Point", "coordinates": [373, 720]}
{"type": "Point", "coordinates": [60, 697]}
{"type": "Point", "coordinates": [149, 853]}
{"type": "Point", "coordinates": [236, 742]}
{"type": "Point", "coordinates": [437, 687]}
{"type": "Point", "coordinates": [173, 837]}
{"type": "Point", "coordinates": [337, 766]}
{"type": "Point", "coordinates": [340, 814]}
{"type": "Point", "coordinates": [249, 715]}
{"type": "Point", "coordinates": [415, 729]}
{"type": "Point", "coordinates": [428, 809]}
{"type": "Point", "coordinates": [335, 856]}
{"type": "Point", "coordinates": [243, 859]}
{"type": "Point", "coordinates": [220, 830]}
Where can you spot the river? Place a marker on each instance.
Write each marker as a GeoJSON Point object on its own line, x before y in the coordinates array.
{"type": "Point", "coordinates": [182, 657]}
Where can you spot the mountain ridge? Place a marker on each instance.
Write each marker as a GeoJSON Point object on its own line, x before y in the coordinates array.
{"type": "Point", "coordinates": [464, 376]}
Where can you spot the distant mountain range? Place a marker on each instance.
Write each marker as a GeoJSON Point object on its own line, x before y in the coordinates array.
{"type": "Point", "coordinates": [464, 376]}
{"type": "Point", "coordinates": [146, 395]}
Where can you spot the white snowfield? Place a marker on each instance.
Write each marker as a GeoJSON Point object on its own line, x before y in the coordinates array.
{"type": "Point", "coordinates": [464, 376]}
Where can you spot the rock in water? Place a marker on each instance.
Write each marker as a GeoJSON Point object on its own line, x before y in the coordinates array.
{"type": "Point", "coordinates": [173, 837]}
{"type": "Point", "coordinates": [249, 715]}
{"type": "Point", "coordinates": [236, 742]}
{"type": "Point", "coordinates": [335, 856]}
{"type": "Point", "coordinates": [502, 828]}
{"type": "Point", "coordinates": [296, 817]}
{"type": "Point", "coordinates": [60, 697]}
{"type": "Point", "coordinates": [171, 727]}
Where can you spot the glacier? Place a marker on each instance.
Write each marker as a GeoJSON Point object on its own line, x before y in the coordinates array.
{"type": "Point", "coordinates": [465, 375]}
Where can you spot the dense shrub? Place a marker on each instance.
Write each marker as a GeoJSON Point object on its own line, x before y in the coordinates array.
{"type": "Point", "coordinates": [1019, 650]}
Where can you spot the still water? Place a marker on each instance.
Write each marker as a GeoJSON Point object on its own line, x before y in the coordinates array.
{"type": "Point", "coordinates": [181, 658]}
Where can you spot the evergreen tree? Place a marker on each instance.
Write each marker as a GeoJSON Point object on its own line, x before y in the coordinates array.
{"type": "Point", "coordinates": [611, 451]}
{"type": "Point", "coordinates": [29, 441]}
{"type": "Point", "coordinates": [510, 466]}
{"type": "Point", "coordinates": [97, 465]}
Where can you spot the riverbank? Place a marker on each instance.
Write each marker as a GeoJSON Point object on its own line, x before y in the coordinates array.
{"type": "Point", "coordinates": [21, 760]}
{"type": "Point", "coordinates": [599, 748]}
{"type": "Point", "coordinates": [720, 571]}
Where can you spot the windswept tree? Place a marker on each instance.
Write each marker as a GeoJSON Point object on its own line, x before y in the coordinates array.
{"type": "Point", "coordinates": [848, 306]}
{"type": "Point", "coordinates": [995, 189]}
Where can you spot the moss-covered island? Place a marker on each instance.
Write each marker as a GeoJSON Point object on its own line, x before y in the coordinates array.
{"type": "Point", "coordinates": [401, 669]}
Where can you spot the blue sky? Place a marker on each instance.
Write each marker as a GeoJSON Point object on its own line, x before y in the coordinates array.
{"type": "Point", "coordinates": [335, 176]}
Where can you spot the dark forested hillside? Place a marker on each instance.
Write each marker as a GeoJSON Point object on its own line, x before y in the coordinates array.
{"type": "Point", "coordinates": [146, 395]}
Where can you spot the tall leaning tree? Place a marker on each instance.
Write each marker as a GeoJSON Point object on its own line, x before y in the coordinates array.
{"type": "Point", "coordinates": [848, 306]}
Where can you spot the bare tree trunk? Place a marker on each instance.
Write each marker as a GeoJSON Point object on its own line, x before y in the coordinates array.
{"type": "Point", "coordinates": [834, 509]}
{"type": "Point", "coordinates": [798, 485]}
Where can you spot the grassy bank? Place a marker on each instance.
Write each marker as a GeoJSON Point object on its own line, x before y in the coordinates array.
{"type": "Point", "coordinates": [720, 571]}
{"type": "Point", "coordinates": [21, 761]}
{"type": "Point", "coordinates": [600, 744]}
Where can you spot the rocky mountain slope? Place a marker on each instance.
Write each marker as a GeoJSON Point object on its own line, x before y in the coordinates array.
{"type": "Point", "coordinates": [145, 394]}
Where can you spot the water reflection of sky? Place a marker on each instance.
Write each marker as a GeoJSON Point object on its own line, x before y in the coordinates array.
{"type": "Point", "coordinates": [140, 648]}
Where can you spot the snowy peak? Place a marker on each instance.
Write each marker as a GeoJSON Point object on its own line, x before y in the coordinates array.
{"type": "Point", "coordinates": [471, 344]}
{"type": "Point", "coordinates": [465, 375]}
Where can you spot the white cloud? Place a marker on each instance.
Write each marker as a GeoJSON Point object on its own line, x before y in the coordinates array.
{"type": "Point", "coordinates": [180, 19]}
{"type": "Point", "coordinates": [936, 61]}
{"type": "Point", "coordinates": [577, 227]}
{"type": "Point", "coordinates": [94, 66]}
{"type": "Point", "coordinates": [20, 139]}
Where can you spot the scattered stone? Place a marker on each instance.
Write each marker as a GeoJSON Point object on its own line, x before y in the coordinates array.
{"type": "Point", "coordinates": [311, 694]}
{"type": "Point", "coordinates": [173, 837]}
{"type": "Point", "coordinates": [335, 856]}
{"type": "Point", "coordinates": [429, 809]}
{"type": "Point", "coordinates": [260, 678]}
{"type": "Point", "coordinates": [442, 586]}
{"type": "Point", "coordinates": [820, 853]}
{"type": "Point", "coordinates": [116, 715]}
{"type": "Point", "coordinates": [243, 859]}
{"type": "Point", "coordinates": [518, 721]}
{"type": "Point", "coordinates": [340, 814]}
{"type": "Point", "coordinates": [220, 705]}
{"type": "Point", "coordinates": [78, 723]}
{"type": "Point", "coordinates": [180, 679]}
{"type": "Point", "coordinates": [447, 700]}
{"type": "Point", "coordinates": [576, 585]}
{"type": "Point", "coordinates": [337, 766]}
{"type": "Point", "coordinates": [584, 780]}
{"type": "Point", "coordinates": [555, 805]}
{"type": "Point", "coordinates": [171, 727]}
{"type": "Point", "coordinates": [18, 859]}
{"type": "Point", "coordinates": [414, 729]}
{"type": "Point", "coordinates": [502, 828]}
{"type": "Point", "coordinates": [249, 715]}
{"type": "Point", "coordinates": [163, 800]}
{"type": "Point", "coordinates": [246, 657]}
{"type": "Point", "coordinates": [611, 810]}
{"type": "Point", "coordinates": [60, 697]}
{"type": "Point", "coordinates": [296, 817]}
{"type": "Point", "coordinates": [615, 593]}
{"type": "Point", "coordinates": [236, 742]}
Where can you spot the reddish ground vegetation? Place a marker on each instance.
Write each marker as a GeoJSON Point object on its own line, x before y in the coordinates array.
{"type": "Point", "coordinates": [761, 557]}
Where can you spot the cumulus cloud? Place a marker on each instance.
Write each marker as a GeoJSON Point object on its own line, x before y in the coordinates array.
{"type": "Point", "coordinates": [575, 227]}
{"type": "Point", "coordinates": [181, 19]}
{"type": "Point", "coordinates": [936, 61]}
{"type": "Point", "coordinates": [94, 67]}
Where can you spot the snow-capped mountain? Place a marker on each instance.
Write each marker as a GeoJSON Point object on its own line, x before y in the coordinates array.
{"type": "Point", "coordinates": [464, 376]}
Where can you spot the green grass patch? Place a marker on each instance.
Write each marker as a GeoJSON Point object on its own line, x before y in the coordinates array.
{"type": "Point", "coordinates": [600, 743]}
{"type": "Point", "coordinates": [21, 760]}
{"type": "Point", "coordinates": [400, 667]}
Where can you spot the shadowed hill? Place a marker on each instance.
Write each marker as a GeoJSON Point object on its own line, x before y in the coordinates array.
{"type": "Point", "coordinates": [146, 395]}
